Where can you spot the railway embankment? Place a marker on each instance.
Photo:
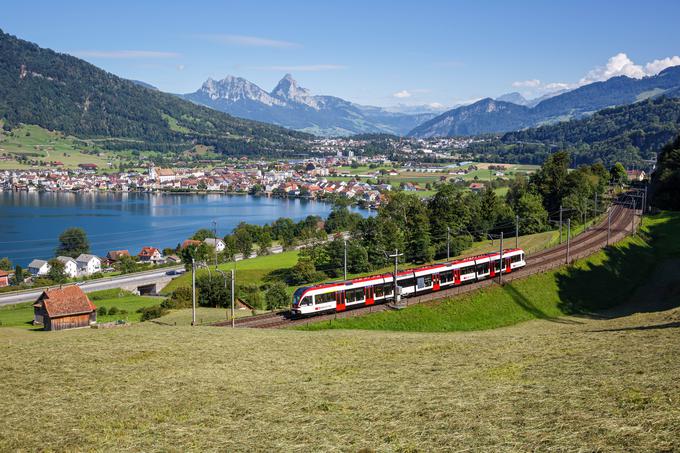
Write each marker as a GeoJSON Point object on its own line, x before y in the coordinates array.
{"type": "Point", "coordinates": [634, 275]}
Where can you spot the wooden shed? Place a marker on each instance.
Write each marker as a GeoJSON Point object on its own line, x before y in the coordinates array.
{"type": "Point", "coordinates": [64, 308]}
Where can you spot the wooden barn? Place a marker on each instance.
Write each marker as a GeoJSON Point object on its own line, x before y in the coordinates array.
{"type": "Point", "coordinates": [64, 308]}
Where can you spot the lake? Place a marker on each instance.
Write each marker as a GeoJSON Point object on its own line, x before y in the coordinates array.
{"type": "Point", "coordinates": [30, 222]}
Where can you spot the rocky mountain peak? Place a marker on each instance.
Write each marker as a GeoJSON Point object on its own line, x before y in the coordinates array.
{"type": "Point", "coordinates": [288, 89]}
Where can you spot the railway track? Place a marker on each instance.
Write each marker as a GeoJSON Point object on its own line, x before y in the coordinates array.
{"type": "Point", "coordinates": [581, 246]}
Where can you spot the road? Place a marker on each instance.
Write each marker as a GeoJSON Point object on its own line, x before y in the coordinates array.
{"type": "Point", "coordinates": [139, 278]}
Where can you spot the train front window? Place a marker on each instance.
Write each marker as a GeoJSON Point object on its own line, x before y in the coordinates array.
{"type": "Point", "coordinates": [306, 301]}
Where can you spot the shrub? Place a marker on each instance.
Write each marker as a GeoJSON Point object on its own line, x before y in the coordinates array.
{"type": "Point", "coordinates": [180, 298]}
{"type": "Point", "coordinates": [149, 313]}
{"type": "Point", "coordinates": [101, 311]}
{"type": "Point", "coordinates": [113, 311]}
{"type": "Point", "coordinates": [276, 296]}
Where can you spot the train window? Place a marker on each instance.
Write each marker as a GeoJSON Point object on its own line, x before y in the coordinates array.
{"type": "Point", "coordinates": [388, 288]}
{"type": "Point", "coordinates": [324, 298]}
{"type": "Point", "coordinates": [497, 265]}
{"type": "Point", "coordinates": [467, 270]}
{"type": "Point", "coordinates": [446, 276]}
{"type": "Point", "coordinates": [407, 282]}
{"type": "Point", "coordinates": [516, 258]}
{"type": "Point", "coordinates": [306, 301]}
{"type": "Point", "coordinates": [354, 295]}
{"type": "Point", "coordinates": [483, 268]}
{"type": "Point", "coordinates": [378, 291]}
{"type": "Point", "coordinates": [428, 280]}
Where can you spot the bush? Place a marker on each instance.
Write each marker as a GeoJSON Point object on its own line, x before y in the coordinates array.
{"type": "Point", "coordinates": [276, 296]}
{"type": "Point", "coordinates": [180, 298]}
{"type": "Point", "coordinates": [101, 311]}
{"type": "Point", "coordinates": [113, 311]}
{"type": "Point", "coordinates": [149, 313]}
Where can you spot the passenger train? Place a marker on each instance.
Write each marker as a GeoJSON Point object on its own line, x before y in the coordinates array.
{"type": "Point", "coordinates": [358, 292]}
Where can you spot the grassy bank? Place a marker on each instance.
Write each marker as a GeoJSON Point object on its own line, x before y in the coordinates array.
{"type": "Point", "coordinates": [601, 281]}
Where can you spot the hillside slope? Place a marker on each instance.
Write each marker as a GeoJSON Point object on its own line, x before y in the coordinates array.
{"type": "Point", "coordinates": [61, 92]}
{"type": "Point", "coordinates": [496, 116]}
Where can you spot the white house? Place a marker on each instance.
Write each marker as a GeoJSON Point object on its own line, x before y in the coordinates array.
{"type": "Point", "coordinates": [70, 266]}
{"type": "Point", "coordinates": [88, 264]}
{"type": "Point", "coordinates": [38, 267]}
{"type": "Point", "coordinates": [217, 243]}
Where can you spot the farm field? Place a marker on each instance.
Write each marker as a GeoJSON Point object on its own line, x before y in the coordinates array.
{"type": "Point", "coordinates": [571, 383]}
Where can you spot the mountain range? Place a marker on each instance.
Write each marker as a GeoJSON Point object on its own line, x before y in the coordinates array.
{"type": "Point", "coordinates": [61, 92]}
{"type": "Point", "coordinates": [293, 106]}
{"type": "Point", "coordinates": [513, 112]}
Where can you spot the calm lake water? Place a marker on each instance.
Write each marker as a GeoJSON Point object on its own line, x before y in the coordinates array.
{"type": "Point", "coordinates": [30, 223]}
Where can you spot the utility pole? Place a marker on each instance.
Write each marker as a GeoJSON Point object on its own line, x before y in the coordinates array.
{"type": "Point", "coordinates": [193, 292]}
{"type": "Point", "coordinates": [215, 240]}
{"type": "Point", "coordinates": [448, 248]}
{"type": "Point", "coordinates": [345, 258]}
{"type": "Point", "coordinates": [568, 237]}
{"type": "Point", "coordinates": [632, 223]}
{"type": "Point", "coordinates": [560, 224]}
{"type": "Point", "coordinates": [516, 231]}
{"type": "Point", "coordinates": [233, 322]}
{"type": "Point", "coordinates": [644, 200]}
{"type": "Point", "coordinates": [500, 262]}
{"type": "Point", "coordinates": [397, 297]}
{"type": "Point", "coordinates": [609, 226]}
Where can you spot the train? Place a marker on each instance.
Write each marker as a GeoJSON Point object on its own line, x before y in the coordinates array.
{"type": "Point", "coordinates": [376, 289]}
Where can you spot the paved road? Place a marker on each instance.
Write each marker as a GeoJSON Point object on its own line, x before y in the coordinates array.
{"type": "Point", "coordinates": [140, 278]}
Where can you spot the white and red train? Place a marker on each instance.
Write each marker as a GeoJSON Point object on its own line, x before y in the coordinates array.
{"type": "Point", "coordinates": [340, 296]}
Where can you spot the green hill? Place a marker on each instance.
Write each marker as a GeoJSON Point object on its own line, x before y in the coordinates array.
{"type": "Point", "coordinates": [626, 134]}
{"type": "Point", "coordinates": [60, 92]}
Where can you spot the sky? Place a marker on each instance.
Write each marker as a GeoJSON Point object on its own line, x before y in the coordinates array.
{"type": "Point", "coordinates": [372, 52]}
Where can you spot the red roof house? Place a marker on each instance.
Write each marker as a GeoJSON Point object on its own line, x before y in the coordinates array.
{"type": "Point", "coordinates": [64, 308]}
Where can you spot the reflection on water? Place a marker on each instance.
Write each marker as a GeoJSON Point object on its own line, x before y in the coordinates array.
{"type": "Point", "coordinates": [31, 222]}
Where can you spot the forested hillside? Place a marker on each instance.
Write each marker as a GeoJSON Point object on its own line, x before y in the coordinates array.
{"type": "Point", "coordinates": [61, 92]}
{"type": "Point", "coordinates": [626, 134]}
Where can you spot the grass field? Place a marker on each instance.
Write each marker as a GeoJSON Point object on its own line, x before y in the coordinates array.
{"type": "Point", "coordinates": [21, 315]}
{"type": "Point", "coordinates": [606, 279]}
{"type": "Point", "coordinates": [41, 144]}
{"type": "Point", "coordinates": [250, 271]}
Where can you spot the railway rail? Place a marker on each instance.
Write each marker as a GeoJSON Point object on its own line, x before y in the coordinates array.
{"type": "Point", "coordinates": [583, 245]}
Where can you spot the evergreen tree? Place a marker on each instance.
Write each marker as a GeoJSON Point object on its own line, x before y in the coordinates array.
{"type": "Point", "coordinates": [73, 242]}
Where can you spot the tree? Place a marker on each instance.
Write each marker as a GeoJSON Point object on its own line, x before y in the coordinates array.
{"type": "Point", "coordinates": [550, 180]}
{"type": "Point", "coordinates": [230, 246]}
{"type": "Point", "coordinates": [5, 264]}
{"type": "Point", "coordinates": [202, 234]}
{"type": "Point", "coordinates": [304, 272]}
{"type": "Point", "coordinates": [448, 216]}
{"type": "Point", "coordinates": [276, 296]}
{"type": "Point", "coordinates": [283, 230]}
{"type": "Point", "coordinates": [200, 253]}
{"type": "Point", "coordinates": [56, 272]}
{"type": "Point", "coordinates": [618, 173]}
{"type": "Point", "coordinates": [340, 219]}
{"type": "Point", "coordinates": [243, 241]}
{"type": "Point", "coordinates": [73, 242]}
{"type": "Point", "coordinates": [19, 274]}
{"type": "Point", "coordinates": [264, 242]}
{"type": "Point", "coordinates": [126, 265]}
{"type": "Point", "coordinates": [211, 290]}
{"type": "Point", "coordinates": [666, 178]}
{"type": "Point", "coordinates": [532, 214]}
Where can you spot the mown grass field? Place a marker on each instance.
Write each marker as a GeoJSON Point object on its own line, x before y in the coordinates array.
{"type": "Point", "coordinates": [606, 279]}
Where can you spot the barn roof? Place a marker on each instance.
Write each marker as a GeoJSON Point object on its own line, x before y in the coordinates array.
{"type": "Point", "coordinates": [70, 300]}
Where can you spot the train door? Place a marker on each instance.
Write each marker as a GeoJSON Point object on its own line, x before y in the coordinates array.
{"type": "Point", "coordinates": [492, 269]}
{"type": "Point", "coordinates": [369, 296]}
{"type": "Point", "coordinates": [508, 265]}
{"type": "Point", "coordinates": [340, 301]}
{"type": "Point", "coordinates": [456, 276]}
{"type": "Point", "coordinates": [435, 282]}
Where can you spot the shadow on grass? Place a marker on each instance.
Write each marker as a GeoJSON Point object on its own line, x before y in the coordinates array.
{"type": "Point", "coordinates": [668, 325]}
{"type": "Point", "coordinates": [523, 302]}
{"type": "Point", "coordinates": [631, 277]}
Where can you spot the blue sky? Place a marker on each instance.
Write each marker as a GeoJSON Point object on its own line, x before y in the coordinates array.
{"type": "Point", "coordinates": [372, 52]}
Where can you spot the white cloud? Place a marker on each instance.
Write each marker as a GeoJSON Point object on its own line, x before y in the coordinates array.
{"type": "Point", "coordinates": [526, 83]}
{"type": "Point", "coordinates": [618, 65]}
{"type": "Point", "coordinates": [303, 68]}
{"type": "Point", "coordinates": [656, 66]}
{"type": "Point", "coordinates": [248, 41]}
{"type": "Point", "coordinates": [402, 94]}
{"type": "Point", "coordinates": [123, 54]}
